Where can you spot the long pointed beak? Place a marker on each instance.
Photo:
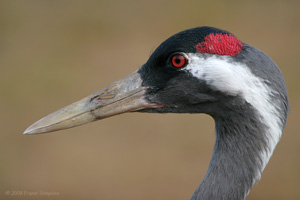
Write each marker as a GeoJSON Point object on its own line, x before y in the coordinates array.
{"type": "Point", "coordinates": [122, 96]}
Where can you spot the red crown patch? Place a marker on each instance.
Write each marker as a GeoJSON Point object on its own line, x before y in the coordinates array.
{"type": "Point", "coordinates": [221, 44]}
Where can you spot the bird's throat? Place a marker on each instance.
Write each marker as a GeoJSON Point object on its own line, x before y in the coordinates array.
{"type": "Point", "coordinates": [238, 157]}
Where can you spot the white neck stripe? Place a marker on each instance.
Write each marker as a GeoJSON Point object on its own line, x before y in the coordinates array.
{"type": "Point", "coordinates": [237, 80]}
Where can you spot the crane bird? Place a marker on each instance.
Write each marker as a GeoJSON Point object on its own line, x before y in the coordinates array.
{"type": "Point", "coordinates": [201, 70]}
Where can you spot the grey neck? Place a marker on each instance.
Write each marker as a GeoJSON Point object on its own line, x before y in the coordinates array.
{"type": "Point", "coordinates": [238, 160]}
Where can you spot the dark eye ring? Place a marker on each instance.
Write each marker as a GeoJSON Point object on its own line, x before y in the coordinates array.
{"type": "Point", "coordinates": [179, 60]}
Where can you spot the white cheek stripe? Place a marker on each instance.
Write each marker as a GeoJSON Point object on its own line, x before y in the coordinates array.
{"type": "Point", "coordinates": [237, 79]}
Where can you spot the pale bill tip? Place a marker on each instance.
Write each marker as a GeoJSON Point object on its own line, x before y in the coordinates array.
{"type": "Point", "coordinates": [41, 126]}
{"type": "Point", "coordinates": [27, 131]}
{"type": "Point", "coordinates": [31, 130]}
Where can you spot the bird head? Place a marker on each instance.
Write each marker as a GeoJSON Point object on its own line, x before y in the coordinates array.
{"type": "Point", "coordinates": [199, 70]}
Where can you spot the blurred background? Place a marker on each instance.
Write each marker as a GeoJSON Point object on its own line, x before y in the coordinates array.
{"type": "Point", "coordinates": [53, 53]}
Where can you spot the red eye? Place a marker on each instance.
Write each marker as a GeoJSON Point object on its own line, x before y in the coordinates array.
{"type": "Point", "coordinates": [179, 60]}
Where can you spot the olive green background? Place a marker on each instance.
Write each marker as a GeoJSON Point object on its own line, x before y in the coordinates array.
{"type": "Point", "coordinates": [53, 53]}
